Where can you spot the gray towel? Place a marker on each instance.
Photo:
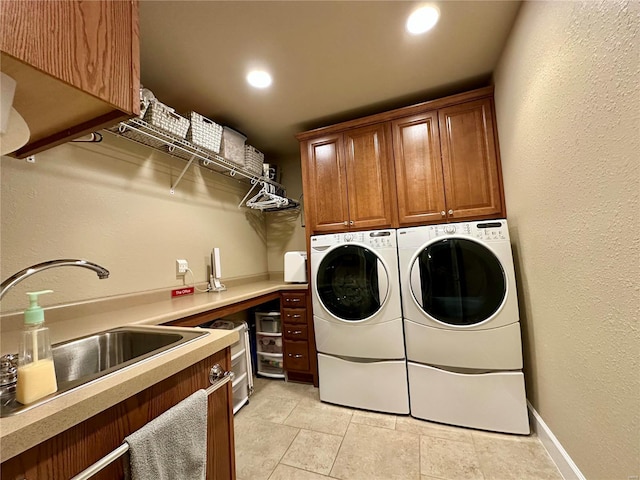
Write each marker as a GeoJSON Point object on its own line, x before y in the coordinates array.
{"type": "Point", "coordinates": [173, 445]}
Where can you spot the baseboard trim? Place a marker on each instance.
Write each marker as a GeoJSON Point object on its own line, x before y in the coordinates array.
{"type": "Point", "coordinates": [558, 454]}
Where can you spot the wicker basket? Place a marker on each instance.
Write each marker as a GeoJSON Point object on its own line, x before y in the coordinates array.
{"type": "Point", "coordinates": [146, 97]}
{"type": "Point", "coordinates": [253, 160]}
{"type": "Point", "coordinates": [204, 133]}
{"type": "Point", "coordinates": [166, 119]}
{"type": "Point", "coordinates": [233, 146]}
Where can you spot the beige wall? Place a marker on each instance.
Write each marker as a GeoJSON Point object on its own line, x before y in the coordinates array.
{"type": "Point", "coordinates": [285, 229]}
{"type": "Point", "coordinates": [568, 106]}
{"type": "Point", "coordinates": [109, 203]}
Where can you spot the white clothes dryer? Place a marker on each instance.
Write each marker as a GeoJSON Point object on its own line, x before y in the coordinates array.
{"type": "Point", "coordinates": [357, 317]}
{"type": "Point", "coordinates": [462, 327]}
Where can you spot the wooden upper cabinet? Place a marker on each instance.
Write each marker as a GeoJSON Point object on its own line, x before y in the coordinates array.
{"type": "Point", "coordinates": [369, 175]}
{"type": "Point", "coordinates": [471, 169]}
{"type": "Point", "coordinates": [326, 189]}
{"type": "Point", "coordinates": [416, 149]}
{"type": "Point", "coordinates": [76, 64]}
{"type": "Point", "coordinates": [347, 180]}
{"type": "Point", "coordinates": [434, 162]}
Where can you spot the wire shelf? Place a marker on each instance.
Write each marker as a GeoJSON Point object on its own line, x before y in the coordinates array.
{"type": "Point", "coordinates": [139, 131]}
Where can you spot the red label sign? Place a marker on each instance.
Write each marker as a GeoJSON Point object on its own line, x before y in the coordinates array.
{"type": "Point", "coordinates": [182, 291]}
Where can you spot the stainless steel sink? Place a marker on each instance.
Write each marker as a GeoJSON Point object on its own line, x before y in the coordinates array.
{"type": "Point", "coordinates": [86, 359]}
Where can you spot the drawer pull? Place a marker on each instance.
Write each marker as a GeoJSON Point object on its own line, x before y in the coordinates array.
{"type": "Point", "coordinates": [293, 299]}
{"type": "Point", "coordinates": [294, 332]}
{"type": "Point", "coordinates": [296, 315]}
{"type": "Point", "coordinates": [297, 355]}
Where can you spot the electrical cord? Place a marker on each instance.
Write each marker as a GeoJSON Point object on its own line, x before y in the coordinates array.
{"type": "Point", "coordinates": [194, 282]}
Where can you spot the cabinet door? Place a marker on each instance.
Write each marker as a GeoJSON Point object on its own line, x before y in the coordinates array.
{"type": "Point", "coordinates": [86, 44]}
{"type": "Point", "coordinates": [369, 177]}
{"type": "Point", "coordinates": [77, 65]}
{"type": "Point", "coordinates": [75, 449]}
{"type": "Point", "coordinates": [470, 161]}
{"type": "Point", "coordinates": [418, 168]}
{"type": "Point", "coordinates": [327, 185]}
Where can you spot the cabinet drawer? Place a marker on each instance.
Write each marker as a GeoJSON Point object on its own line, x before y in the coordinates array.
{"type": "Point", "coordinates": [295, 332]}
{"type": "Point", "coordinates": [294, 299]}
{"type": "Point", "coordinates": [294, 315]}
{"type": "Point", "coordinates": [296, 356]}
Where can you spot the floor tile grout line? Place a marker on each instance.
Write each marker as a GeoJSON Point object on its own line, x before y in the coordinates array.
{"type": "Point", "coordinates": [477, 439]}
{"type": "Point", "coordinates": [285, 451]}
{"type": "Point", "coordinates": [338, 452]}
{"type": "Point", "coordinates": [302, 468]}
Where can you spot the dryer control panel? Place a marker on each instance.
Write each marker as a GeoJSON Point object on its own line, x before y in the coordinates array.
{"type": "Point", "coordinates": [488, 231]}
{"type": "Point", "coordinates": [484, 231]}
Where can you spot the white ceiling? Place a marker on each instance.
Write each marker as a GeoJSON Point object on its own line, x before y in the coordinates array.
{"type": "Point", "coordinates": [330, 60]}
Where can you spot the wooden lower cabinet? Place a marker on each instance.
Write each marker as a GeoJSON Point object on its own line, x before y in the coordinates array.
{"type": "Point", "coordinates": [70, 452]}
{"type": "Point", "coordinates": [299, 346]}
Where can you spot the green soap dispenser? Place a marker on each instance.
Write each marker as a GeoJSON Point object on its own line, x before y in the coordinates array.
{"type": "Point", "coordinates": [36, 372]}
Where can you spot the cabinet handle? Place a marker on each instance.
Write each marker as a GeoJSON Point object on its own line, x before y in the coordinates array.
{"type": "Point", "coordinates": [443, 213]}
{"type": "Point", "coordinates": [345, 223]}
{"type": "Point", "coordinates": [351, 222]}
{"type": "Point", "coordinates": [293, 300]}
{"type": "Point", "coordinates": [297, 315]}
{"type": "Point", "coordinates": [217, 373]}
{"type": "Point", "coordinates": [292, 332]}
{"type": "Point", "coordinates": [297, 355]}
{"type": "Point", "coordinates": [450, 212]}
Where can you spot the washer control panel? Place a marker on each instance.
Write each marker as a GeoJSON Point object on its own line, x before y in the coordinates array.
{"type": "Point", "coordinates": [372, 239]}
{"type": "Point", "coordinates": [450, 229]}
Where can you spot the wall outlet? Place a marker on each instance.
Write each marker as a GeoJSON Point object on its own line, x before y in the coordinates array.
{"type": "Point", "coordinates": [181, 267]}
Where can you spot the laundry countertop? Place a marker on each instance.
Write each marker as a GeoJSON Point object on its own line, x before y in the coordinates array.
{"type": "Point", "coordinates": [20, 432]}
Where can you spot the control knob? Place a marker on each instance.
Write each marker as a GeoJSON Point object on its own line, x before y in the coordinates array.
{"type": "Point", "coordinates": [450, 229]}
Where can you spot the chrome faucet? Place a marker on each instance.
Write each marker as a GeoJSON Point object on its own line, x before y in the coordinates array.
{"type": "Point", "coordinates": [33, 269]}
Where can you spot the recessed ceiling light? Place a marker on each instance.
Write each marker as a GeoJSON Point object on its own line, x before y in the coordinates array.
{"type": "Point", "coordinates": [259, 79]}
{"type": "Point", "coordinates": [423, 19]}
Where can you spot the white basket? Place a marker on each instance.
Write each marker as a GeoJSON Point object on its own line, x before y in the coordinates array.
{"type": "Point", "coordinates": [146, 96]}
{"type": "Point", "coordinates": [233, 146]}
{"type": "Point", "coordinates": [253, 160]}
{"type": "Point", "coordinates": [166, 119]}
{"type": "Point", "coordinates": [204, 133]}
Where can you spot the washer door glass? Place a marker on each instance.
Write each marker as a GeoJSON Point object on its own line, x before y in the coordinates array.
{"type": "Point", "coordinates": [458, 282]}
{"type": "Point", "coordinates": [352, 282]}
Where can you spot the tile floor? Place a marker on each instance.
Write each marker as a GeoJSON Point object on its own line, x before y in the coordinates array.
{"type": "Point", "coordinates": [286, 433]}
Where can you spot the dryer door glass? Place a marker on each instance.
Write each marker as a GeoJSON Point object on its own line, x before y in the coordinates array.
{"type": "Point", "coordinates": [352, 282]}
{"type": "Point", "coordinates": [460, 282]}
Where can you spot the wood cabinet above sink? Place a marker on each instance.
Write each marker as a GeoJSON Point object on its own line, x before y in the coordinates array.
{"type": "Point", "coordinates": [76, 64]}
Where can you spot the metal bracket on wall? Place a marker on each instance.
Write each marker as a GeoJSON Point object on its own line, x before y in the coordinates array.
{"type": "Point", "coordinates": [172, 190]}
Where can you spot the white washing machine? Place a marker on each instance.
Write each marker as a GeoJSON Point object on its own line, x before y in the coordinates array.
{"type": "Point", "coordinates": [462, 327]}
{"type": "Point", "coordinates": [357, 317]}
